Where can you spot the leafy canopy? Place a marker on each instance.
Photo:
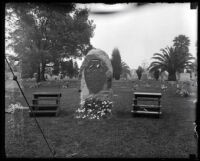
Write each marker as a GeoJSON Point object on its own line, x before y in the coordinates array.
{"type": "Point", "coordinates": [171, 61]}
{"type": "Point", "coordinates": [48, 32]}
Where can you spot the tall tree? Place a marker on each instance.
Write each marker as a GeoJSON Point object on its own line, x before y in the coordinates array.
{"type": "Point", "coordinates": [29, 39]}
{"type": "Point", "coordinates": [181, 45]}
{"type": "Point", "coordinates": [139, 72]}
{"type": "Point", "coordinates": [76, 69]}
{"type": "Point", "coordinates": [116, 63]}
{"type": "Point", "coordinates": [70, 69]}
{"type": "Point", "coordinates": [45, 35]}
{"type": "Point", "coordinates": [170, 61]}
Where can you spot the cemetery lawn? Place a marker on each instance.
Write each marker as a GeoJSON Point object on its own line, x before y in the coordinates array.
{"type": "Point", "coordinates": [170, 136]}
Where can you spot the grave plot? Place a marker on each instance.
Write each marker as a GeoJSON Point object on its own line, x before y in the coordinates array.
{"type": "Point", "coordinates": [45, 104]}
{"type": "Point", "coordinates": [96, 86]}
{"type": "Point", "coordinates": [147, 103]}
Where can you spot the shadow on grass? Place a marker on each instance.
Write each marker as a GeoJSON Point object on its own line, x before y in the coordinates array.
{"type": "Point", "coordinates": [128, 115]}
{"type": "Point", "coordinates": [146, 116]}
{"type": "Point", "coordinates": [64, 113]}
{"type": "Point", "coordinates": [123, 114]}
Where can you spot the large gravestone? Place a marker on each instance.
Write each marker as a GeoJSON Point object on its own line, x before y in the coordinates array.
{"type": "Point", "coordinates": [164, 76]}
{"type": "Point", "coordinates": [96, 81]}
{"type": "Point", "coordinates": [96, 75]}
{"type": "Point", "coordinates": [144, 76]}
{"type": "Point", "coordinates": [184, 76]}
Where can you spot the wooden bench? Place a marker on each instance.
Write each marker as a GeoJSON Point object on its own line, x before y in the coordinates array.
{"type": "Point", "coordinates": [153, 109]}
{"type": "Point", "coordinates": [45, 104]}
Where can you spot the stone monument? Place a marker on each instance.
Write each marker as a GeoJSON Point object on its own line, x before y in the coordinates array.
{"type": "Point", "coordinates": [96, 78]}
{"type": "Point", "coordinates": [184, 77]}
{"type": "Point", "coordinates": [144, 76]}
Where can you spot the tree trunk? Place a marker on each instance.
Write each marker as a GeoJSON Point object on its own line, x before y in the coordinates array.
{"type": "Point", "coordinates": [56, 68]}
{"type": "Point", "coordinates": [117, 77]}
{"type": "Point", "coordinates": [172, 77]}
{"type": "Point", "coordinates": [38, 73]}
{"type": "Point", "coordinates": [139, 76]}
{"type": "Point", "coordinates": [43, 71]}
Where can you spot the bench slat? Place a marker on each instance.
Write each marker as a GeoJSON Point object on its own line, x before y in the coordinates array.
{"type": "Point", "coordinates": [147, 94]}
{"type": "Point", "coordinates": [43, 113]}
{"type": "Point", "coordinates": [145, 99]}
{"type": "Point", "coordinates": [146, 112]}
{"type": "Point", "coordinates": [46, 94]}
{"type": "Point", "coordinates": [38, 99]}
{"type": "Point", "coordinates": [49, 93]}
{"type": "Point", "coordinates": [147, 106]}
{"type": "Point", "coordinates": [45, 105]}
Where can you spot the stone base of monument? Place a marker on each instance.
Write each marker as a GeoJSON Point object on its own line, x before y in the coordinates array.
{"type": "Point", "coordinates": [103, 95]}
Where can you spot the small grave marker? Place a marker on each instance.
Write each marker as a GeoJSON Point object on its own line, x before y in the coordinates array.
{"type": "Point", "coordinates": [144, 76]}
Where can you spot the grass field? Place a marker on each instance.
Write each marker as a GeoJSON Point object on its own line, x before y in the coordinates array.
{"type": "Point", "coordinates": [170, 136]}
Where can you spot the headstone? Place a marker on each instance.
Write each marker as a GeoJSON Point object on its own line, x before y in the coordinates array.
{"type": "Point", "coordinates": [35, 75]}
{"type": "Point", "coordinates": [184, 76]}
{"type": "Point", "coordinates": [150, 76]}
{"type": "Point", "coordinates": [193, 76]}
{"type": "Point", "coordinates": [187, 86]}
{"type": "Point", "coordinates": [96, 76]}
{"type": "Point", "coordinates": [164, 76]}
{"type": "Point", "coordinates": [47, 76]}
{"type": "Point", "coordinates": [144, 76]}
{"type": "Point", "coordinates": [133, 75]}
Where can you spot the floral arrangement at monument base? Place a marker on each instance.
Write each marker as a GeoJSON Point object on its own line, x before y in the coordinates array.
{"type": "Point", "coordinates": [94, 108]}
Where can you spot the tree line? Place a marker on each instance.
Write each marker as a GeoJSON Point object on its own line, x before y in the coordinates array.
{"type": "Point", "coordinates": [48, 32]}
{"type": "Point", "coordinates": [174, 59]}
{"type": "Point", "coordinates": [56, 33]}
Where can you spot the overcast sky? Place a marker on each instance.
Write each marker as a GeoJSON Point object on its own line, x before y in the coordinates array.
{"type": "Point", "coordinates": [138, 33]}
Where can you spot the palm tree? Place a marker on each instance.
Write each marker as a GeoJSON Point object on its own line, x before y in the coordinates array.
{"type": "Point", "coordinates": [182, 43]}
{"type": "Point", "coordinates": [125, 70]}
{"type": "Point", "coordinates": [170, 61]}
